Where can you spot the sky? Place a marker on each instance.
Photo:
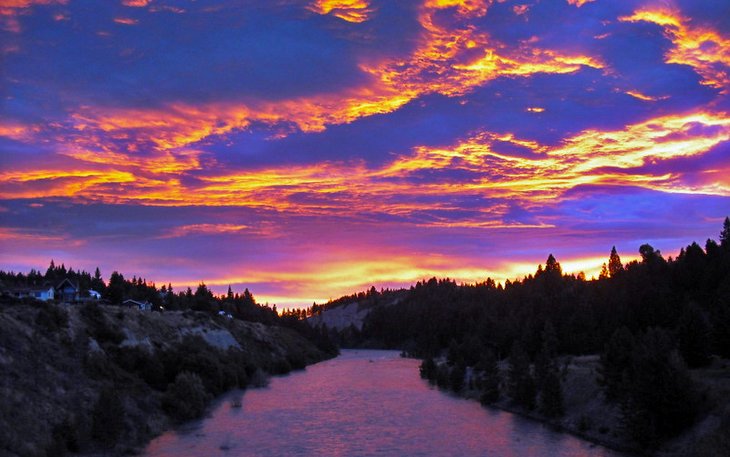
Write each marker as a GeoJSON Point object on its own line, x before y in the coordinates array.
{"type": "Point", "coordinates": [310, 149]}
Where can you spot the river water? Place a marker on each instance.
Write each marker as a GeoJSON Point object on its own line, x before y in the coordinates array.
{"type": "Point", "coordinates": [363, 403]}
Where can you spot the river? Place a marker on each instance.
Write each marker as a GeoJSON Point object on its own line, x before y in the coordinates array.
{"type": "Point", "coordinates": [363, 403]}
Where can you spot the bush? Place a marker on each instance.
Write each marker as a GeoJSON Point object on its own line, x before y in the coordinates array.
{"type": "Point", "coordinates": [107, 418]}
{"type": "Point", "coordinates": [99, 327]}
{"type": "Point", "coordinates": [52, 318]}
{"type": "Point", "coordinates": [186, 398]}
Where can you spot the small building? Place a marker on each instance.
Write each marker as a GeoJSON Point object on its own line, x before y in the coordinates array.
{"type": "Point", "coordinates": [140, 305]}
{"type": "Point", "coordinates": [67, 291]}
{"type": "Point", "coordinates": [94, 294]}
{"type": "Point", "coordinates": [44, 293]}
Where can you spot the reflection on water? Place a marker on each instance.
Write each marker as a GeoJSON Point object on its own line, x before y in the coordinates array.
{"type": "Point", "coordinates": [363, 403]}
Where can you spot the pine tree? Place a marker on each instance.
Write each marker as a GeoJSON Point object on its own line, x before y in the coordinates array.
{"type": "Point", "coordinates": [553, 266]}
{"type": "Point", "coordinates": [490, 378]}
{"type": "Point", "coordinates": [604, 272]}
{"type": "Point", "coordinates": [615, 267]}
{"type": "Point", "coordinates": [694, 337]}
{"type": "Point", "coordinates": [551, 393]}
{"type": "Point", "coordinates": [520, 385]}
{"type": "Point", "coordinates": [661, 399]}
{"type": "Point", "coordinates": [725, 234]}
{"type": "Point", "coordinates": [615, 361]}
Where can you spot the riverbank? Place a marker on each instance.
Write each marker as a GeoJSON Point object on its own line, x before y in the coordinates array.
{"type": "Point", "coordinates": [589, 417]}
{"type": "Point", "coordinates": [105, 379]}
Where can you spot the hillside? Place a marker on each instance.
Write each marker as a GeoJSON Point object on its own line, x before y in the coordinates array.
{"type": "Point", "coordinates": [95, 378]}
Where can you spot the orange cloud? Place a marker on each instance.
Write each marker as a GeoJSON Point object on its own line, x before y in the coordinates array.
{"type": "Point", "coordinates": [579, 3]}
{"type": "Point", "coordinates": [10, 9]}
{"type": "Point", "coordinates": [644, 97]}
{"type": "Point", "coordinates": [592, 157]}
{"type": "Point", "coordinates": [347, 10]}
{"type": "Point", "coordinates": [126, 21]}
{"type": "Point", "coordinates": [136, 3]}
{"type": "Point", "coordinates": [702, 48]}
{"type": "Point", "coordinates": [520, 9]}
{"type": "Point", "coordinates": [17, 131]}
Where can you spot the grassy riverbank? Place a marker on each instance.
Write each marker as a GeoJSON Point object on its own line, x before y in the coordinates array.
{"type": "Point", "coordinates": [95, 378]}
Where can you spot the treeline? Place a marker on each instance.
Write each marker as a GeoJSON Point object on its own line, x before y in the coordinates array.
{"type": "Point", "coordinates": [241, 306]}
{"type": "Point", "coordinates": [650, 319]}
{"type": "Point", "coordinates": [53, 276]}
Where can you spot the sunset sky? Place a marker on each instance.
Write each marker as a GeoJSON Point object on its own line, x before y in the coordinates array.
{"type": "Point", "coordinates": [309, 149]}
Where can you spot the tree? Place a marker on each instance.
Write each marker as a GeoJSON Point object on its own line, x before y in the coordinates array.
{"type": "Point", "coordinates": [725, 234]}
{"type": "Point", "coordinates": [694, 337]}
{"type": "Point", "coordinates": [615, 360]}
{"type": "Point", "coordinates": [551, 393]}
{"type": "Point", "coordinates": [615, 267]}
{"type": "Point", "coordinates": [661, 400]}
{"type": "Point", "coordinates": [457, 376]}
{"type": "Point", "coordinates": [649, 255]}
{"type": "Point", "coordinates": [604, 274]}
{"type": "Point", "coordinates": [97, 283]}
{"type": "Point", "coordinates": [116, 289]}
{"type": "Point", "coordinates": [520, 385]}
{"type": "Point", "coordinates": [107, 418]}
{"type": "Point", "coordinates": [553, 266]}
{"type": "Point", "coordinates": [548, 351]}
{"type": "Point", "coordinates": [490, 378]}
{"type": "Point", "coordinates": [428, 369]}
{"type": "Point", "coordinates": [186, 398]}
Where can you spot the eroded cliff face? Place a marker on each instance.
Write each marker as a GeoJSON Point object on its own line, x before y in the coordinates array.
{"type": "Point", "coordinates": [95, 378]}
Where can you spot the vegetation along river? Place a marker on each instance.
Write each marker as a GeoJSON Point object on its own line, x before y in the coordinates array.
{"type": "Point", "coordinates": [363, 403]}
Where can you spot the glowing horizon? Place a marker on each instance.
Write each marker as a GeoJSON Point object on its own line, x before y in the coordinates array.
{"type": "Point", "coordinates": [310, 149]}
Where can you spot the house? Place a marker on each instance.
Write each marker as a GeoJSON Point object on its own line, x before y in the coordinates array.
{"type": "Point", "coordinates": [140, 305]}
{"type": "Point", "coordinates": [67, 291]}
{"type": "Point", "coordinates": [44, 293]}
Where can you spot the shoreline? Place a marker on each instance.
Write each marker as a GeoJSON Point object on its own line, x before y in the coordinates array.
{"type": "Point", "coordinates": [557, 426]}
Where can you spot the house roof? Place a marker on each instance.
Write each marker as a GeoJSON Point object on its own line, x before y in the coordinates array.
{"type": "Point", "coordinates": [62, 284]}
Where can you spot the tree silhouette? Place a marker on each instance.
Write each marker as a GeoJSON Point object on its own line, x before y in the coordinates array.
{"type": "Point", "coordinates": [615, 361]}
{"type": "Point", "coordinates": [490, 378]}
{"type": "Point", "coordinates": [725, 234]}
{"type": "Point", "coordinates": [661, 400]}
{"type": "Point", "coordinates": [521, 386]}
{"type": "Point", "coordinates": [615, 267]}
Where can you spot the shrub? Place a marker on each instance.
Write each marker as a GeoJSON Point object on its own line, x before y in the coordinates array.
{"type": "Point", "coordinates": [107, 418]}
{"type": "Point", "coordinates": [186, 398]}
{"type": "Point", "coordinates": [52, 318]}
{"type": "Point", "coordinates": [98, 325]}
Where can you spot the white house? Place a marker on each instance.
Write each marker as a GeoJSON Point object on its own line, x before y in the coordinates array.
{"type": "Point", "coordinates": [46, 293]}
